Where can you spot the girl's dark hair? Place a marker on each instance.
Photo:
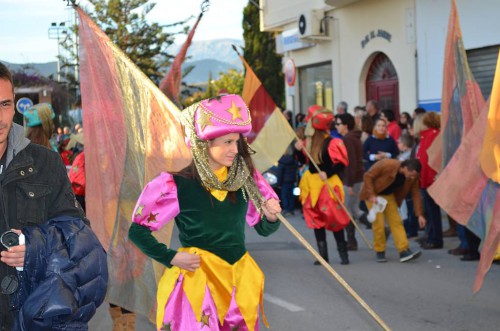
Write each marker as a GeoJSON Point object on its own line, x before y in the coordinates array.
{"type": "Point", "coordinates": [367, 124]}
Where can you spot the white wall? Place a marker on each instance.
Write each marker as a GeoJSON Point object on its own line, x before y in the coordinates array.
{"type": "Point", "coordinates": [480, 24]}
{"type": "Point", "coordinates": [277, 13]}
{"type": "Point", "coordinates": [354, 23]}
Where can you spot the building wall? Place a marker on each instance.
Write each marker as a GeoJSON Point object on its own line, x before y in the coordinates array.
{"type": "Point", "coordinates": [276, 14]}
{"type": "Point", "coordinates": [480, 28]}
{"type": "Point", "coordinates": [354, 23]}
{"type": "Point", "coordinates": [348, 27]}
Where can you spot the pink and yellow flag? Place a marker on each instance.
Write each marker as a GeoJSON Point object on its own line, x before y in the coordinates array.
{"type": "Point", "coordinates": [271, 134]}
{"type": "Point", "coordinates": [468, 193]}
{"type": "Point", "coordinates": [461, 100]}
{"type": "Point", "coordinates": [132, 132]}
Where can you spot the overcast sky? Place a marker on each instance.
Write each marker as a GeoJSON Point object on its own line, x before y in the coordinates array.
{"type": "Point", "coordinates": [25, 23]}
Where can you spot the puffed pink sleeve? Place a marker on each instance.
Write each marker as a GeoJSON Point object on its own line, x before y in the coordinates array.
{"type": "Point", "coordinates": [158, 203]}
{"type": "Point", "coordinates": [253, 216]}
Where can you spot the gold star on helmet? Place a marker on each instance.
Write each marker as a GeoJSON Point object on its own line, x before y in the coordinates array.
{"type": "Point", "coordinates": [138, 212]}
{"type": "Point", "coordinates": [203, 120]}
{"type": "Point", "coordinates": [235, 111]}
{"type": "Point", "coordinates": [205, 320]}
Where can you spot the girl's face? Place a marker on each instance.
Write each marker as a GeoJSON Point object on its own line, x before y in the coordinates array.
{"type": "Point", "coordinates": [222, 150]}
{"type": "Point", "coordinates": [403, 119]}
{"type": "Point", "coordinates": [381, 127]}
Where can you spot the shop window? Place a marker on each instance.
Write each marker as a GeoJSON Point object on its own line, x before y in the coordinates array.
{"type": "Point", "coordinates": [315, 86]}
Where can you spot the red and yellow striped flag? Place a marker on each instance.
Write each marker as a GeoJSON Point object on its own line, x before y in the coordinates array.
{"type": "Point", "coordinates": [170, 85]}
{"type": "Point", "coordinates": [132, 132]}
{"type": "Point", "coordinates": [271, 133]}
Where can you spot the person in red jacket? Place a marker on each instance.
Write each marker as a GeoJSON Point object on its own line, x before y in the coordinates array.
{"type": "Point", "coordinates": [434, 229]}
{"type": "Point", "coordinates": [77, 178]}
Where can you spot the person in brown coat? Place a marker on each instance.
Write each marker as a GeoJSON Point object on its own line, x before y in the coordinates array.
{"type": "Point", "coordinates": [352, 177]}
{"type": "Point", "coordinates": [392, 180]}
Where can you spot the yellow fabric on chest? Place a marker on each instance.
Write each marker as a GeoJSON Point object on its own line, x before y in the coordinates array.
{"type": "Point", "coordinates": [222, 176]}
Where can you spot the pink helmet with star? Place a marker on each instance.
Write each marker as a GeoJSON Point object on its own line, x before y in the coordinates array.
{"type": "Point", "coordinates": [222, 115]}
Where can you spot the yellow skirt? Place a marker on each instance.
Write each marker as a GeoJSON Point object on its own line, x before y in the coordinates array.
{"type": "Point", "coordinates": [215, 285]}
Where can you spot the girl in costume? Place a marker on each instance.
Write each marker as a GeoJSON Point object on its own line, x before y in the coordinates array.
{"type": "Point", "coordinates": [212, 283]}
{"type": "Point", "coordinates": [321, 209]}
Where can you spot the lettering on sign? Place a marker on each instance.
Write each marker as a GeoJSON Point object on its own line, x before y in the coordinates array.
{"type": "Point", "coordinates": [375, 34]}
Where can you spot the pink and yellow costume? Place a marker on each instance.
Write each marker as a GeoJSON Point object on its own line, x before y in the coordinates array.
{"type": "Point", "coordinates": [226, 291]}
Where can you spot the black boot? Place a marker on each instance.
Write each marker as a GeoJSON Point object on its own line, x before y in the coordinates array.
{"type": "Point", "coordinates": [342, 248]}
{"type": "Point", "coordinates": [323, 251]}
{"type": "Point", "coordinates": [352, 243]}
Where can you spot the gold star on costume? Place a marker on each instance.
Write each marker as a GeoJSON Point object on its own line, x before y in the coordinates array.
{"type": "Point", "coordinates": [205, 320]}
{"type": "Point", "coordinates": [203, 120]}
{"type": "Point", "coordinates": [235, 111]}
{"type": "Point", "coordinates": [75, 168]}
{"type": "Point", "coordinates": [138, 212]}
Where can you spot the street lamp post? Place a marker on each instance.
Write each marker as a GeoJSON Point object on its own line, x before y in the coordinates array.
{"type": "Point", "coordinates": [57, 32]}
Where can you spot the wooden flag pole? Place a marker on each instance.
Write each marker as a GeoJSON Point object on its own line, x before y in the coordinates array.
{"type": "Point", "coordinates": [330, 189]}
{"type": "Point", "coordinates": [333, 272]}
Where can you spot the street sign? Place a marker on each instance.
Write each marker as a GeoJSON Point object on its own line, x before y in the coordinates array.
{"type": "Point", "coordinates": [23, 104]}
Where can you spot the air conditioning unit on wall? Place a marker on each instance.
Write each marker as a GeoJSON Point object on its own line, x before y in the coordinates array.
{"type": "Point", "coordinates": [312, 25]}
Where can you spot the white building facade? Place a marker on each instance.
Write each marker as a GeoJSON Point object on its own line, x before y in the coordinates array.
{"type": "Point", "coordinates": [391, 51]}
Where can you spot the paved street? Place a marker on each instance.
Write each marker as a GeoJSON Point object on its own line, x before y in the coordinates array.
{"type": "Point", "coordinates": [433, 293]}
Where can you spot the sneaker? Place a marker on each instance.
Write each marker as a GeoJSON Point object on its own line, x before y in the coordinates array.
{"type": "Point", "coordinates": [408, 255]}
{"type": "Point", "coordinates": [380, 257]}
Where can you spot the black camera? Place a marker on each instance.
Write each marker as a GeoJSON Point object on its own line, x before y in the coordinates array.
{"type": "Point", "coordinates": [9, 239]}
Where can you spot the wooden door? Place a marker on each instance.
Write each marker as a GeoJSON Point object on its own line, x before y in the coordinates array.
{"type": "Point", "coordinates": [382, 84]}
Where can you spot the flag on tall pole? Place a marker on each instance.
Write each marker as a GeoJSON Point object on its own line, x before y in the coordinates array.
{"type": "Point", "coordinates": [490, 151]}
{"type": "Point", "coordinates": [170, 85]}
{"type": "Point", "coordinates": [490, 164]}
{"type": "Point", "coordinates": [461, 99]}
{"type": "Point", "coordinates": [132, 132]}
{"type": "Point", "coordinates": [468, 192]}
{"type": "Point", "coordinates": [271, 133]}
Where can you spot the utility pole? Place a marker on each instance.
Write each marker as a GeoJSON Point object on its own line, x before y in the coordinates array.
{"type": "Point", "coordinates": [57, 32]}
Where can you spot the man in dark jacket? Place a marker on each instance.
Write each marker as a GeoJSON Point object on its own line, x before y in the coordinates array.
{"type": "Point", "coordinates": [353, 174]}
{"type": "Point", "coordinates": [34, 188]}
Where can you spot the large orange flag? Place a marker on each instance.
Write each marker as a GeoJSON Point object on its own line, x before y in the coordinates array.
{"type": "Point", "coordinates": [490, 164]}
{"type": "Point", "coordinates": [490, 153]}
{"type": "Point", "coordinates": [132, 132]}
{"type": "Point", "coordinates": [271, 133]}
{"type": "Point", "coordinates": [170, 85]}
{"type": "Point", "coordinates": [461, 99]}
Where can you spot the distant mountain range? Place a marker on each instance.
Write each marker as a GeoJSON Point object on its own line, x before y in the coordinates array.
{"type": "Point", "coordinates": [207, 56]}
